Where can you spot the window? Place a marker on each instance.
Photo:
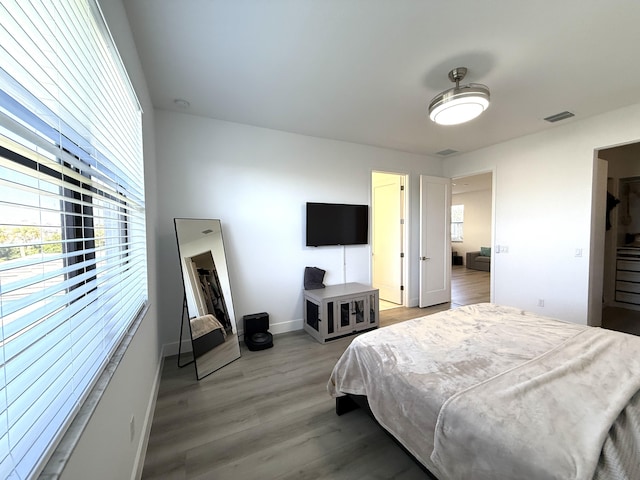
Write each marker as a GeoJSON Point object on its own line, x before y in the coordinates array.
{"type": "Point", "coordinates": [457, 222]}
{"type": "Point", "coordinates": [72, 227]}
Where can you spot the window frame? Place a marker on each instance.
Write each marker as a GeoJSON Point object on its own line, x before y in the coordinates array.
{"type": "Point", "coordinates": [457, 227]}
{"type": "Point", "coordinates": [96, 138]}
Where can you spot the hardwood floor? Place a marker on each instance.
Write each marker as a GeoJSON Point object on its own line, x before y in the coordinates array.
{"type": "Point", "coordinates": [469, 286]}
{"type": "Point", "coordinates": [268, 414]}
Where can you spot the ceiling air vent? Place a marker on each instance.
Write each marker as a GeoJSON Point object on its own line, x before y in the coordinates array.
{"type": "Point", "coordinates": [559, 116]}
{"type": "Point", "coordinates": [446, 152]}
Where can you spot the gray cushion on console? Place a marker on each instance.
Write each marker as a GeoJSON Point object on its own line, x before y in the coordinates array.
{"type": "Point", "coordinates": [313, 277]}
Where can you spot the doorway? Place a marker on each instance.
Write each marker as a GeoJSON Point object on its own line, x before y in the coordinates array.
{"type": "Point", "coordinates": [388, 237]}
{"type": "Point", "coordinates": [618, 296]}
{"type": "Point", "coordinates": [472, 197]}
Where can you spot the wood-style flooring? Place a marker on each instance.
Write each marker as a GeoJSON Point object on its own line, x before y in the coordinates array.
{"type": "Point", "coordinates": [469, 286]}
{"type": "Point", "coordinates": [268, 415]}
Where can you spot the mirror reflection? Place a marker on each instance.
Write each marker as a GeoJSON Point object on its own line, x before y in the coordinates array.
{"type": "Point", "coordinates": [207, 302]}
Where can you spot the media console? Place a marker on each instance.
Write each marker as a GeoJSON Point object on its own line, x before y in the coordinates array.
{"type": "Point", "coordinates": [339, 310]}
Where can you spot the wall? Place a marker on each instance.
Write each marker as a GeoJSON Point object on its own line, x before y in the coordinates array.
{"type": "Point", "coordinates": [477, 221]}
{"type": "Point", "coordinates": [257, 181]}
{"type": "Point", "coordinates": [543, 210]}
{"type": "Point", "coordinates": [105, 451]}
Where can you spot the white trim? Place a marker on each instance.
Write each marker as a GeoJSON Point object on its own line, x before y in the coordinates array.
{"type": "Point", "coordinates": [170, 349]}
{"type": "Point", "coordinates": [285, 327]}
{"type": "Point", "coordinates": [138, 464]}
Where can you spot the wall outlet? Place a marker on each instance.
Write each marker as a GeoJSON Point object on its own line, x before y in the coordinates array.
{"type": "Point", "coordinates": [132, 428]}
{"type": "Point", "coordinates": [541, 302]}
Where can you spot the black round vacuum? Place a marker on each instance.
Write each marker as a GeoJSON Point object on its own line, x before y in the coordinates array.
{"type": "Point", "coordinates": [256, 334]}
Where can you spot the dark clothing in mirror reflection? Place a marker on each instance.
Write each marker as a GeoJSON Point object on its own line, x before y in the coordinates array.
{"type": "Point", "coordinates": [213, 296]}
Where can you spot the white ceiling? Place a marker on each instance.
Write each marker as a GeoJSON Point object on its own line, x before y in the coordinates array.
{"type": "Point", "coordinates": [473, 183]}
{"type": "Point", "coordinates": [365, 70]}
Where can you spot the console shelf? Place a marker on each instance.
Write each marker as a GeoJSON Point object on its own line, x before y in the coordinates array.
{"type": "Point", "coordinates": [339, 310]}
{"type": "Point", "coordinates": [628, 275]}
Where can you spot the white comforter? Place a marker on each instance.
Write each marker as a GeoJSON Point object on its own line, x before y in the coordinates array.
{"type": "Point", "coordinates": [451, 387]}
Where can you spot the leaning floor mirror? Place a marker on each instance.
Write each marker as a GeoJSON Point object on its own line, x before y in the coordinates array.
{"type": "Point", "coordinates": [207, 295]}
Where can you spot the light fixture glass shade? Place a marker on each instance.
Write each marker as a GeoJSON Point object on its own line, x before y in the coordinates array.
{"type": "Point", "coordinates": [459, 104]}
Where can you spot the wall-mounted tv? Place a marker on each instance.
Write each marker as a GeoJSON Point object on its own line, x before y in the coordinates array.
{"type": "Point", "coordinates": [337, 224]}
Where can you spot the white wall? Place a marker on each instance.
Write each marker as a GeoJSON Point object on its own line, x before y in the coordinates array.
{"type": "Point", "coordinates": [543, 210]}
{"type": "Point", "coordinates": [105, 451]}
{"type": "Point", "coordinates": [257, 181]}
{"type": "Point", "coordinates": [477, 221]}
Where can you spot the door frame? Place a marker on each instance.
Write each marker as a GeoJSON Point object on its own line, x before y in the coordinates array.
{"type": "Point", "coordinates": [602, 249]}
{"type": "Point", "coordinates": [406, 232]}
{"type": "Point", "coordinates": [597, 241]}
{"type": "Point", "coordinates": [494, 248]}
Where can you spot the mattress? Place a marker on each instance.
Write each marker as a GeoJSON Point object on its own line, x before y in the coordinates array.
{"type": "Point", "coordinates": [439, 384]}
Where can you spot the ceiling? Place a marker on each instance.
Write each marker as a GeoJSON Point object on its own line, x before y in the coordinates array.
{"type": "Point", "coordinates": [473, 183]}
{"type": "Point", "coordinates": [364, 71]}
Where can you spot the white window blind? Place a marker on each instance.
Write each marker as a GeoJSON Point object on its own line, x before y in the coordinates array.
{"type": "Point", "coordinates": [72, 218]}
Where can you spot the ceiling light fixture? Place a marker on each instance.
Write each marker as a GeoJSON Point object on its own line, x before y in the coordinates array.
{"type": "Point", "coordinates": [180, 103]}
{"type": "Point", "coordinates": [460, 103]}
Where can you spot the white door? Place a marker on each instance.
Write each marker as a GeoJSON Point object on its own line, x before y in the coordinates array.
{"type": "Point", "coordinates": [387, 236]}
{"type": "Point", "coordinates": [435, 240]}
{"type": "Point", "coordinates": [195, 290]}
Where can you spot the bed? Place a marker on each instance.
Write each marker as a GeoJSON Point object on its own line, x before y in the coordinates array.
{"type": "Point", "coordinates": [492, 392]}
{"type": "Point", "coordinates": [206, 333]}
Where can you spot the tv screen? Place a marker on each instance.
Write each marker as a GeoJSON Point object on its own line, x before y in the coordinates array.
{"type": "Point", "coordinates": [337, 224]}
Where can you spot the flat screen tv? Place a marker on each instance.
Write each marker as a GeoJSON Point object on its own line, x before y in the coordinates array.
{"type": "Point", "coordinates": [337, 224]}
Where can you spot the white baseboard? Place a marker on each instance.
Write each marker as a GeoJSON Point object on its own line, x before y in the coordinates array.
{"type": "Point", "coordinates": [170, 349]}
{"type": "Point", "coordinates": [284, 327]}
{"type": "Point", "coordinates": [138, 465]}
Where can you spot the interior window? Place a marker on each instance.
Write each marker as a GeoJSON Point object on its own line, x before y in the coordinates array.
{"type": "Point", "coordinates": [457, 223]}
